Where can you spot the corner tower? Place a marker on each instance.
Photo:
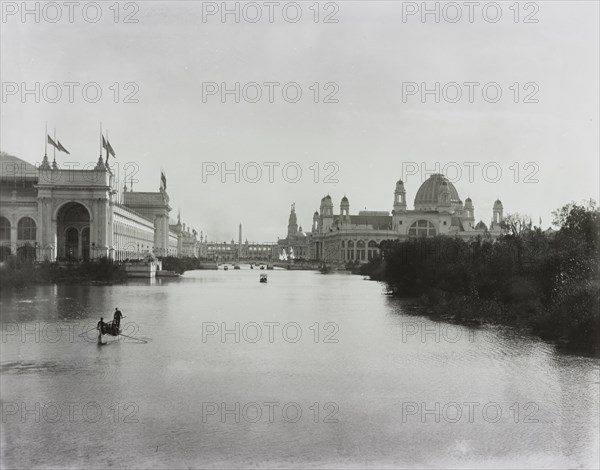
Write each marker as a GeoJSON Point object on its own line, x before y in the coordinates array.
{"type": "Point", "coordinates": [326, 210]}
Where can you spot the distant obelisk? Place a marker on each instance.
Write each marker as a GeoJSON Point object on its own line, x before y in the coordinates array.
{"type": "Point", "coordinates": [240, 243]}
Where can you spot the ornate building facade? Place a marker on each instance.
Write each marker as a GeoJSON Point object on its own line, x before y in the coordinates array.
{"type": "Point", "coordinates": [48, 213]}
{"type": "Point", "coordinates": [438, 210]}
{"type": "Point", "coordinates": [244, 252]}
{"type": "Point", "coordinates": [297, 244]}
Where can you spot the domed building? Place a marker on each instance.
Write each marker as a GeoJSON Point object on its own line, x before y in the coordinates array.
{"type": "Point", "coordinates": [437, 191]}
{"type": "Point", "coordinates": [438, 210]}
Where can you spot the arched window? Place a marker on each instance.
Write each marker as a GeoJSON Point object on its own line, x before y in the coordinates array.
{"type": "Point", "coordinates": [26, 229]}
{"type": "Point", "coordinates": [360, 250]}
{"type": "Point", "coordinates": [4, 228]}
{"type": "Point", "coordinates": [373, 250]}
{"type": "Point", "coordinates": [350, 250]}
{"type": "Point", "coordinates": [421, 228]}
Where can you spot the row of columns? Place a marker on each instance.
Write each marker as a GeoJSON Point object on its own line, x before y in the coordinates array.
{"type": "Point", "coordinates": [344, 253]}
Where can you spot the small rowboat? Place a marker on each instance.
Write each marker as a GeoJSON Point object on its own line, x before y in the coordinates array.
{"type": "Point", "coordinates": [112, 332]}
{"type": "Point", "coordinates": [109, 329]}
{"type": "Point", "coordinates": [263, 278]}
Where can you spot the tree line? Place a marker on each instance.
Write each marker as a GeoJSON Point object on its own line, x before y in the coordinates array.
{"type": "Point", "coordinates": [547, 283]}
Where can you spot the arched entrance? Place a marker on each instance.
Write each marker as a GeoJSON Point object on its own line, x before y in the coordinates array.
{"type": "Point", "coordinates": [71, 244]}
{"type": "Point", "coordinates": [26, 253]}
{"type": "Point", "coordinates": [73, 232]}
{"type": "Point", "coordinates": [85, 243]}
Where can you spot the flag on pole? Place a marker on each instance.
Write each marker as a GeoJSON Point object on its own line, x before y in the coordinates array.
{"type": "Point", "coordinates": [61, 148]}
{"type": "Point", "coordinates": [54, 144]}
{"type": "Point", "coordinates": [110, 149]}
{"type": "Point", "coordinates": [163, 180]}
{"type": "Point", "coordinates": [106, 145]}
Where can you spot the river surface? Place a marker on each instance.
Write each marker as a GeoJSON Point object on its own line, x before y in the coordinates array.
{"type": "Point", "coordinates": [312, 371]}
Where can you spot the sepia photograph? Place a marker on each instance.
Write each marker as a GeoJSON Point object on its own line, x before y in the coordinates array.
{"type": "Point", "coordinates": [311, 234]}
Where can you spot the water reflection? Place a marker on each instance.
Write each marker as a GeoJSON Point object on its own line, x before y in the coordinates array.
{"type": "Point", "coordinates": [393, 382]}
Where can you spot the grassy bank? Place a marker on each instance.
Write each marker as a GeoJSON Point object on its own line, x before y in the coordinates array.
{"type": "Point", "coordinates": [14, 274]}
{"type": "Point", "coordinates": [180, 265]}
{"type": "Point", "coordinates": [543, 283]}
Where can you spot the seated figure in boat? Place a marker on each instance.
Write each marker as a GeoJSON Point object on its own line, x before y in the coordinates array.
{"type": "Point", "coordinates": [107, 328]}
{"type": "Point", "coordinates": [111, 329]}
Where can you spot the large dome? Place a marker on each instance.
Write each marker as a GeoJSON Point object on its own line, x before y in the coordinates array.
{"type": "Point", "coordinates": [427, 195]}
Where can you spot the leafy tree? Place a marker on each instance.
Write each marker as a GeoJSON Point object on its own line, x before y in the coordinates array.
{"type": "Point", "coordinates": [547, 283]}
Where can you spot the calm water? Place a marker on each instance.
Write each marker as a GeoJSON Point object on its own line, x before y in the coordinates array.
{"type": "Point", "coordinates": [375, 386]}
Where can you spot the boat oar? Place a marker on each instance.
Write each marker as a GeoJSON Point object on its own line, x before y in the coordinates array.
{"type": "Point", "coordinates": [86, 332]}
{"type": "Point", "coordinates": [133, 337]}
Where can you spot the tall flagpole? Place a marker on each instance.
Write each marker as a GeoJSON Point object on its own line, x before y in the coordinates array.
{"type": "Point", "coordinates": [100, 139]}
{"type": "Point", "coordinates": [46, 140]}
{"type": "Point", "coordinates": [54, 161]}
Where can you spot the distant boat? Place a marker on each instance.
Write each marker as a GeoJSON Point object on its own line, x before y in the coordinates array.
{"type": "Point", "coordinates": [262, 266]}
{"type": "Point", "coordinates": [236, 266]}
{"type": "Point", "coordinates": [226, 267]}
{"type": "Point", "coordinates": [251, 266]}
{"type": "Point", "coordinates": [324, 269]}
{"type": "Point", "coordinates": [263, 278]}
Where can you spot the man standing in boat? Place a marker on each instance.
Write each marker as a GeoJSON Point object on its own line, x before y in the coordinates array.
{"type": "Point", "coordinates": [117, 319]}
{"type": "Point", "coordinates": [101, 325]}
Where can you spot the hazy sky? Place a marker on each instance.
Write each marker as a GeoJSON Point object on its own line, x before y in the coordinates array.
{"type": "Point", "coordinates": [369, 135]}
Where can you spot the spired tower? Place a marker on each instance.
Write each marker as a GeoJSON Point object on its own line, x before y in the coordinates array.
{"type": "Point", "coordinates": [399, 204]}
{"type": "Point", "coordinates": [345, 211]}
{"type": "Point", "coordinates": [498, 214]}
{"type": "Point", "coordinates": [326, 214]}
{"type": "Point", "coordinates": [292, 222]}
{"type": "Point", "coordinates": [469, 213]}
{"type": "Point", "coordinates": [315, 225]}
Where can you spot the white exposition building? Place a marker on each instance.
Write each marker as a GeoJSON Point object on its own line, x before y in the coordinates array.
{"type": "Point", "coordinates": [48, 213]}
{"type": "Point", "coordinates": [438, 210]}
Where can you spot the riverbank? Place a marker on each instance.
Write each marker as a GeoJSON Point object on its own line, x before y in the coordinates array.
{"type": "Point", "coordinates": [573, 326]}
{"type": "Point", "coordinates": [546, 284]}
{"type": "Point", "coordinates": [181, 265]}
{"type": "Point", "coordinates": [18, 275]}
